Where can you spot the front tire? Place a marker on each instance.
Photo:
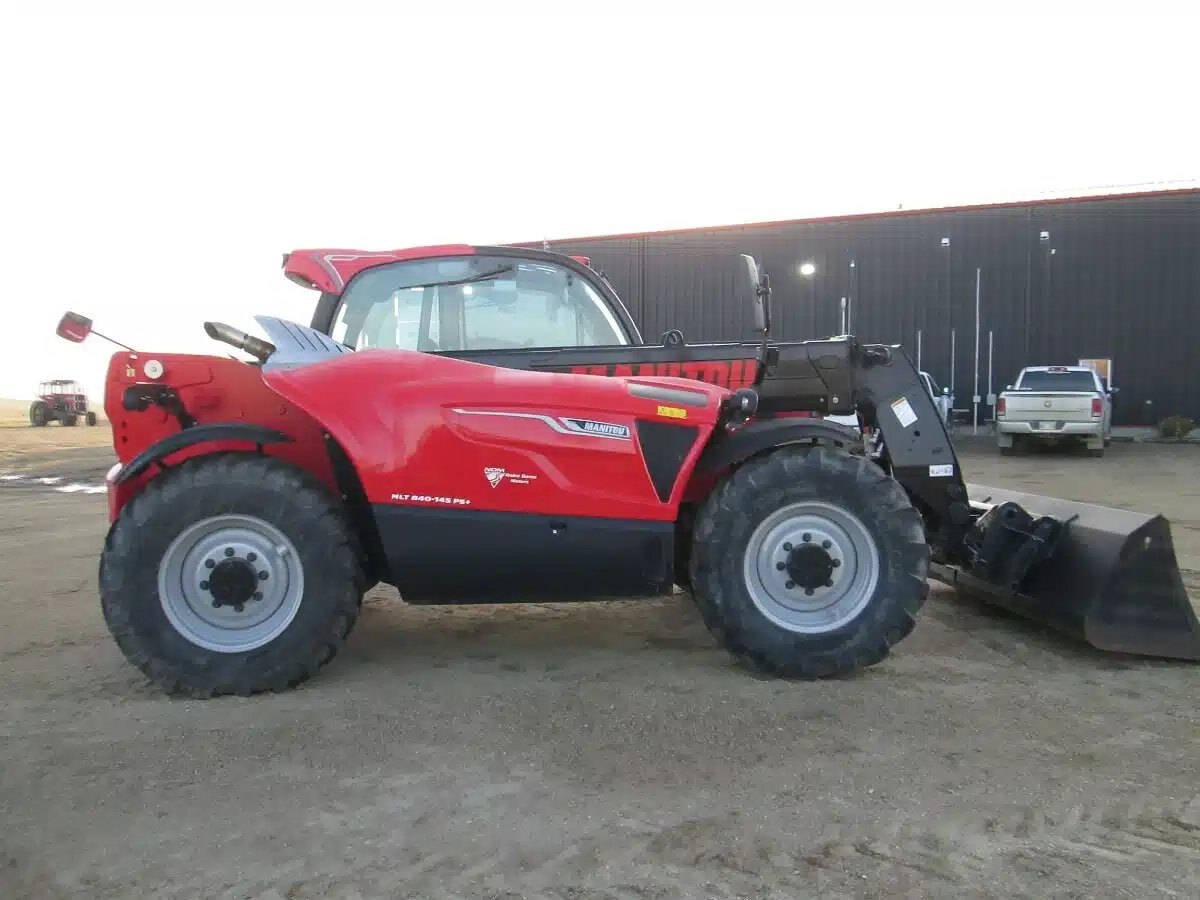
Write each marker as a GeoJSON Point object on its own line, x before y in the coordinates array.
{"type": "Point", "coordinates": [809, 563]}
{"type": "Point", "coordinates": [91, 418]}
{"type": "Point", "coordinates": [37, 414]}
{"type": "Point", "coordinates": [230, 574]}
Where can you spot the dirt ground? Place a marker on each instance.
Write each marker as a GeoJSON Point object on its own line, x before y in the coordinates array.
{"type": "Point", "coordinates": [596, 750]}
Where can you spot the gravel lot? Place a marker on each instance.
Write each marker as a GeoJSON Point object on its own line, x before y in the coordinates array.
{"type": "Point", "coordinates": [595, 750]}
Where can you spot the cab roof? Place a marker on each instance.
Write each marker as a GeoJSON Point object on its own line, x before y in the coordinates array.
{"type": "Point", "coordinates": [329, 270]}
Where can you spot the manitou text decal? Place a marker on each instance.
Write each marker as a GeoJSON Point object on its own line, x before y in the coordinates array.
{"type": "Point", "coordinates": [495, 476]}
{"type": "Point", "coordinates": [561, 425]}
{"type": "Point", "coordinates": [726, 373]}
{"type": "Point", "coordinates": [602, 429]}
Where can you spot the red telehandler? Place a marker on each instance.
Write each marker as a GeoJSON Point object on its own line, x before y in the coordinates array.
{"type": "Point", "coordinates": [484, 424]}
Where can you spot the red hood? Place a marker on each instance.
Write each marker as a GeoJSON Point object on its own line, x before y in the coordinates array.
{"type": "Point", "coordinates": [330, 270]}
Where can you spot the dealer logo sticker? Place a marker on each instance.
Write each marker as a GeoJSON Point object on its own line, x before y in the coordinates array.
{"type": "Point", "coordinates": [496, 475]}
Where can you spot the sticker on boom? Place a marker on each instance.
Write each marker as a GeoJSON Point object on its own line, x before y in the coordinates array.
{"type": "Point", "coordinates": [672, 412]}
{"type": "Point", "coordinates": [904, 412]}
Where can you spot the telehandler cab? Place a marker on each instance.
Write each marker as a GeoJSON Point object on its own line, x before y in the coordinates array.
{"type": "Point", "coordinates": [485, 425]}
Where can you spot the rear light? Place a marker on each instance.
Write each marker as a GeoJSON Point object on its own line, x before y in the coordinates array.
{"type": "Point", "coordinates": [1000, 406]}
{"type": "Point", "coordinates": [303, 280]}
{"type": "Point", "coordinates": [1097, 407]}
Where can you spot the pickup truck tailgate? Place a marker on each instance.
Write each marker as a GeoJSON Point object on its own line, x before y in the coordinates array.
{"type": "Point", "coordinates": [1059, 405]}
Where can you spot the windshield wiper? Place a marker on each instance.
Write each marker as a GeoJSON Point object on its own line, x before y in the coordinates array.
{"type": "Point", "coordinates": [482, 276]}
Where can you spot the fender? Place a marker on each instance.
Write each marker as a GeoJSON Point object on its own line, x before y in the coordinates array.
{"type": "Point", "coordinates": [199, 434]}
{"type": "Point", "coordinates": [756, 437]}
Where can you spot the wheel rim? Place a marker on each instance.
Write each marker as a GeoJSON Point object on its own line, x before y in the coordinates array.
{"type": "Point", "coordinates": [811, 567]}
{"type": "Point", "coordinates": [202, 584]}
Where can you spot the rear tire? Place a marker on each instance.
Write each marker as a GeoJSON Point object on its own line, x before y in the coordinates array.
{"type": "Point", "coordinates": [809, 495]}
{"type": "Point", "coordinates": [70, 420]}
{"type": "Point", "coordinates": [276, 519]}
{"type": "Point", "coordinates": [37, 414]}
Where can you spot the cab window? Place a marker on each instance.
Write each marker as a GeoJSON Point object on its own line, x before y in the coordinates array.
{"type": "Point", "coordinates": [474, 303]}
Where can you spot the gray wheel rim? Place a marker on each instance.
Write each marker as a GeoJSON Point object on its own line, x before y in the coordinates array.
{"type": "Point", "coordinates": [187, 597]}
{"type": "Point", "coordinates": [824, 607]}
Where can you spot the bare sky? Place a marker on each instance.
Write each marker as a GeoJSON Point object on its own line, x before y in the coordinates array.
{"type": "Point", "coordinates": [156, 166]}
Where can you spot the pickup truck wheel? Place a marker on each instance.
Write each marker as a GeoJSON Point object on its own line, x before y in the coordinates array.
{"type": "Point", "coordinates": [809, 562]}
{"type": "Point", "coordinates": [230, 574]}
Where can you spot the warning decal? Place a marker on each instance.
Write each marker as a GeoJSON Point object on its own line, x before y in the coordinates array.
{"type": "Point", "coordinates": [904, 412]}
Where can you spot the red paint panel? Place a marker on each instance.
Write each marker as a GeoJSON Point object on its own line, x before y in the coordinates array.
{"type": "Point", "coordinates": [451, 434]}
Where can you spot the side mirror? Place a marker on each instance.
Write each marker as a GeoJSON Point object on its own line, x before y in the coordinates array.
{"type": "Point", "coordinates": [1113, 390]}
{"type": "Point", "coordinates": [946, 391]}
{"type": "Point", "coordinates": [751, 266]}
{"type": "Point", "coordinates": [750, 289]}
{"type": "Point", "coordinates": [74, 327]}
{"type": "Point", "coordinates": [1008, 387]}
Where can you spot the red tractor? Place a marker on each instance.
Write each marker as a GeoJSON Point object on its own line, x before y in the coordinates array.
{"type": "Point", "coordinates": [485, 425]}
{"type": "Point", "coordinates": [60, 401]}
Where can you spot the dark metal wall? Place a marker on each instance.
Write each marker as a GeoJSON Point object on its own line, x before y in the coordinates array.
{"type": "Point", "coordinates": [1116, 278]}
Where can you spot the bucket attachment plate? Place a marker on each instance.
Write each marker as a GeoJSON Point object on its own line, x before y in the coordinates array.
{"type": "Point", "coordinates": [1109, 577]}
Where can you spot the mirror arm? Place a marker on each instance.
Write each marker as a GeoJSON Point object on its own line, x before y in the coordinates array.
{"type": "Point", "coordinates": [763, 290]}
{"type": "Point", "coordinates": [111, 341]}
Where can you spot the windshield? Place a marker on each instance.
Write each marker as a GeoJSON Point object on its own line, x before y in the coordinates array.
{"type": "Point", "coordinates": [474, 303]}
{"type": "Point", "coordinates": [1057, 381]}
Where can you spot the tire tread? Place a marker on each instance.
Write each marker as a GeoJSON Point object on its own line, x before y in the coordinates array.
{"type": "Point", "coordinates": [324, 538]}
{"type": "Point", "coordinates": [792, 472]}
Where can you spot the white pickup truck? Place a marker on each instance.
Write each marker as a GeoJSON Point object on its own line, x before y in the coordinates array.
{"type": "Point", "coordinates": [1055, 404]}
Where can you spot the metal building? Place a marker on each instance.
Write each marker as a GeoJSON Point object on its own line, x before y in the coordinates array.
{"type": "Point", "coordinates": [1107, 277]}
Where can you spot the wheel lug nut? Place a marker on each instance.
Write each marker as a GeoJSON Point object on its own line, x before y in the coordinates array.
{"type": "Point", "coordinates": [238, 607]}
{"type": "Point", "coordinates": [251, 557]}
{"type": "Point", "coordinates": [216, 604]}
{"type": "Point", "coordinates": [787, 548]}
{"type": "Point", "coordinates": [826, 544]}
{"type": "Point", "coordinates": [262, 576]}
{"type": "Point", "coordinates": [258, 594]}
{"type": "Point", "coordinates": [204, 585]}
{"type": "Point", "coordinates": [780, 566]}
{"type": "Point", "coordinates": [829, 583]}
{"type": "Point", "coordinates": [792, 584]}
{"type": "Point", "coordinates": [229, 551]}
{"type": "Point", "coordinates": [836, 563]}
{"type": "Point", "coordinates": [209, 564]}
{"type": "Point", "coordinates": [808, 591]}
{"type": "Point", "coordinates": [806, 537]}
